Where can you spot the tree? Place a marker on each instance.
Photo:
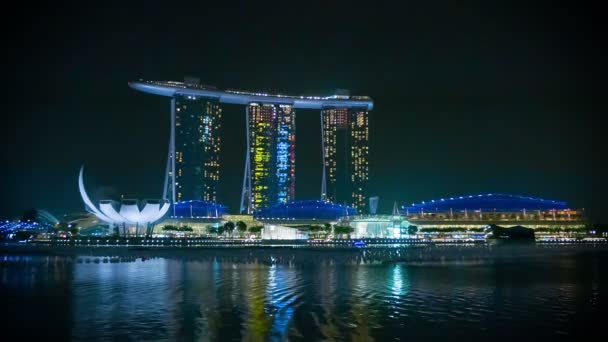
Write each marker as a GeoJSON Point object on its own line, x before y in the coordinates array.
{"type": "Point", "coordinates": [255, 229]}
{"type": "Point", "coordinates": [342, 230]}
{"type": "Point", "coordinates": [211, 229]}
{"type": "Point", "coordinates": [412, 230]}
{"type": "Point", "coordinates": [229, 227]}
{"type": "Point", "coordinates": [314, 229]}
{"type": "Point", "coordinates": [185, 228]}
{"type": "Point", "coordinates": [170, 227]}
{"type": "Point", "coordinates": [241, 226]}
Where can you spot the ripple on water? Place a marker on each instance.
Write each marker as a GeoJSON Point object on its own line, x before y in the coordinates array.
{"type": "Point", "coordinates": [174, 299]}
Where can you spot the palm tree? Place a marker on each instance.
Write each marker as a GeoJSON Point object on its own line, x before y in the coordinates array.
{"type": "Point", "coordinates": [221, 229]}
{"type": "Point", "coordinates": [229, 227]}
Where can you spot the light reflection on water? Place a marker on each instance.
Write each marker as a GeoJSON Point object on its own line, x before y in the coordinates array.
{"type": "Point", "coordinates": [176, 299]}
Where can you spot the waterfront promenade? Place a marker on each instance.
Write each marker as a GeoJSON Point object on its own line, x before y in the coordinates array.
{"type": "Point", "coordinates": [309, 254]}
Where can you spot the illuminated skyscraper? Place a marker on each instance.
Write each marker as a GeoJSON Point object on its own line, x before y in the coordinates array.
{"type": "Point", "coordinates": [197, 147]}
{"type": "Point", "coordinates": [270, 163]}
{"type": "Point", "coordinates": [269, 175]}
{"type": "Point", "coordinates": [286, 154]}
{"type": "Point", "coordinates": [345, 156]}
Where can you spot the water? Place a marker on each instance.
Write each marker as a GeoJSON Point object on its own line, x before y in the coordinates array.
{"type": "Point", "coordinates": [243, 298]}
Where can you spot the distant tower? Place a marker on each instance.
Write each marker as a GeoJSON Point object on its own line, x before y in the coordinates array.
{"type": "Point", "coordinates": [345, 144]}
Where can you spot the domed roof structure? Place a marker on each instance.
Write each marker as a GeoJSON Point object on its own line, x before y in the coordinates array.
{"type": "Point", "coordinates": [305, 210]}
{"type": "Point", "coordinates": [487, 202]}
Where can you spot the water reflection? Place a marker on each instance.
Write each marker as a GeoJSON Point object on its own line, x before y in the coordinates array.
{"type": "Point", "coordinates": [256, 323]}
{"type": "Point", "coordinates": [36, 294]}
{"type": "Point", "coordinates": [276, 296]}
{"type": "Point", "coordinates": [399, 280]}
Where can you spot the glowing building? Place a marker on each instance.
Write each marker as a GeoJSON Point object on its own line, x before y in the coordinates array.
{"type": "Point", "coordinates": [270, 164]}
{"type": "Point", "coordinates": [285, 162]}
{"type": "Point", "coordinates": [477, 211]}
{"type": "Point", "coordinates": [308, 210]}
{"type": "Point", "coordinates": [197, 147]}
{"type": "Point", "coordinates": [269, 172]}
{"type": "Point", "coordinates": [345, 156]}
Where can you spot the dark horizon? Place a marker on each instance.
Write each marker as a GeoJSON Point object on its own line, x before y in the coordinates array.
{"type": "Point", "coordinates": [468, 98]}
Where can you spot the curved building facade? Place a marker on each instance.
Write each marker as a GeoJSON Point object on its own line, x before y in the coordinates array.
{"type": "Point", "coordinates": [128, 212]}
{"type": "Point", "coordinates": [487, 202]}
{"type": "Point", "coordinates": [194, 89]}
{"type": "Point", "coordinates": [482, 209]}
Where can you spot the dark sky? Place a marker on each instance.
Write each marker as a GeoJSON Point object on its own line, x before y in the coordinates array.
{"type": "Point", "coordinates": [470, 97]}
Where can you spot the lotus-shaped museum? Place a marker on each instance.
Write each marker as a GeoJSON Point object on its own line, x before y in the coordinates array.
{"type": "Point", "coordinates": [130, 213]}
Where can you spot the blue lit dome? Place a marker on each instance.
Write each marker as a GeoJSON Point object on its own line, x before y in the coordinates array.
{"type": "Point", "coordinates": [486, 202]}
{"type": "Point", "coordinates": [198, 208]}
{"type": "Point", "coordinates": [305, 210]}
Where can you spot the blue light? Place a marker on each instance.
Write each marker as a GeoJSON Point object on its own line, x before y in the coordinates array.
{"type": "Point", "coordinates": [492, 202]}
{"type": "Point", "coordinates": [303, 210]}
{"type": "Point", "coordinates": [199, 208]}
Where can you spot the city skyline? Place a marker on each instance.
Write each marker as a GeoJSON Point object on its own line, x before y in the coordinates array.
{"type": "Point", "coordinates": [310, 171]}
{"type": "Point", "coordinates": [466, 105]}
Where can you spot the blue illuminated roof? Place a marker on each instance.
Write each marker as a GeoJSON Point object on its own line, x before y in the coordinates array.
{"type": "Point", "coordinates": [198, 208]}
{"type": "Point", "coordinates": [170, 88]}
{"type": "Point", "coordinates": [488, 202]}
{"type": "Point", "coordinates": [305, 210]}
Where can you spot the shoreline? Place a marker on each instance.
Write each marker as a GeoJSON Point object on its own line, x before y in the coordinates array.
{"type": "Point", "coordinates": [302, 255]}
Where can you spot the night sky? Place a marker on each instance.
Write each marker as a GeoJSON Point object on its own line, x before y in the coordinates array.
{"type": "Point", "coordinates": [469, 97]}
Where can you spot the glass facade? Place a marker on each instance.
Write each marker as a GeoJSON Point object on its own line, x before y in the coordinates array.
{"type": "Point", "coordinates": [271, 154]}
{"type": "Point", "coordinates": [359, 158]}
{"type": "Point", "coordinates": [305, 210]}
{"type": "Point", "coordinates": [346, 155]}
{"type": "Point", "coordinates": [285, 154]}
{"type": "Point", "coordinates": [198, 208]}
{"type": "Point", "coordinates": [197, 148]}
